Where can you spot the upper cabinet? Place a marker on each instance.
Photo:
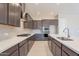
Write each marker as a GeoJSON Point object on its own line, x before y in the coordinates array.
{"type": "Point", "coordinates": [3, 13]}
{"type": "Point", "coordinates": [10, 13]}
{"type": "Point", "coordinates": [14, 14]}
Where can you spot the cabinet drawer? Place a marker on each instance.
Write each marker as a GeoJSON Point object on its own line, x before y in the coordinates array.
{"type": "Point", "coordinates": [69, 51]}
{"type": "Point", "coordinates": [11, 50]}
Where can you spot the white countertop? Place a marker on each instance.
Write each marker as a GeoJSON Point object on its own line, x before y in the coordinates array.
{"type": "Point", "coordinates": [8, 36]}
{"type": "Point", "coordinates": [6, 44]}
{"type": "Point", "coordinates": [73, 45]}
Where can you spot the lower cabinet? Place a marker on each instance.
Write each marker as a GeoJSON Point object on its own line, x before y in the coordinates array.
{"type": "Point", "coordinates": [54, 46]}
{"type": "Point", "coordinates": [68, 52]}
{"type": "Point", "coordinates": [49, 44]}
{"type": "Point", "coordinates": [30, 42]}
{"type": "Point", "coordinates": [23, 50]}
{"type": "Point", "coordinates": [13, 51]}
{"type": "Point", "coordinates": [25, 46]}
{"type": "Point", "coordinates": [59, 49]}
{"type": "Point", "coordinates": [20, 49]}
{"type": "Point", "coordinates": [64, 53]}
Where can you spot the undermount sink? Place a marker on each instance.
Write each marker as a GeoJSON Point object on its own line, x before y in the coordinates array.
{"type": "Point", "coordinates": [64, 39]}
{"type": "Point", "coordinates": [23, 35]}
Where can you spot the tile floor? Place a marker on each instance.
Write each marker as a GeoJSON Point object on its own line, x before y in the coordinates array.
{"type": "Point", "coordinates": [40, 48]}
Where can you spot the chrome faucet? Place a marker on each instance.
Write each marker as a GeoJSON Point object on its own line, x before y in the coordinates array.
{"type": "Point", "coordinates": [68, 35]}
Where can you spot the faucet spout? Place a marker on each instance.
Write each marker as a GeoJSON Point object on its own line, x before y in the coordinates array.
{"type": "Point", "coordinates": [68, 35]}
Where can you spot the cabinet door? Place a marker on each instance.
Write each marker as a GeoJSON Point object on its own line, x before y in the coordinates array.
{"type": "Point", "coordinates": [17, 15]}
{"type": "Point", "coordinates": [3, 13]}
{"type": "Point", "coordinates": [30, 43]}
{"type": "Point", "coordinates": [15, 53]}
{"type": "Point", "coordinates": [68, 51]}
{"type": "Point", "coordinates": [25, 24]}
{"type": "Point", "coordinates": [11, 51]}
{"type": "Point", "coordinates": [57, 51]}
{"type": "Point", "coordinates": [49, 44]}
{"type": "Point", "coordinates": [22, 50]}
{"type": "Point", "coordinates": [53, 48]}
{"type": "Point", "coordinates": [26, 49]}
{"type": "Point", "coordinates": [64, 53]}
{"type": "Point", "coordinates": [14, 14]}
{"type": "Point", "coordinates": [11, 14]}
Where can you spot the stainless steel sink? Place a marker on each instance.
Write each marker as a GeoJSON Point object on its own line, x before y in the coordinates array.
{"type": "Point", "coordinates": [64, 39]}
{"type": "Point", "coordinates": [23, 35]}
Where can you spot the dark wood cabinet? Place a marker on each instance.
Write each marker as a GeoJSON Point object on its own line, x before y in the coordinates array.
{"type": "Point", "coordinates": [26, 45]}
{"type": "Point", "coordinates": [10, 14]}
{"type": "Point", "coordinates": [59, 49]}
{"type": "Point", "coordinates": [30, 42]}
{"type": "Point", "coordinates": [13, 51]}
{"type": "Point", "coordinates": [21, 49]}
{"type": "Point", "coordinates": [14, 14]}
{"type": "Point", "coordinates": [17, 15]}
{"type": "Point", "coordinates": [29, 21]}
{"type": "Point", "coordinates": [68, 52]}
{"type": "Point", "coordinates": [55, 47]}
{"type": "Point", "coordinates": [37, 24]}
{"type": "Point", "coordinates": [3, 13]}
{"type": "Point", "coordinates": [64, 53]}
{"type": "Point", "coordinates": [49, 44]}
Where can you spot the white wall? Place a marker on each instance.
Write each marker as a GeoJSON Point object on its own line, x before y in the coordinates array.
{"type": "Point", "coordinates": [69, 16]}
{"type": "Point", "coordinates": [42, 10]}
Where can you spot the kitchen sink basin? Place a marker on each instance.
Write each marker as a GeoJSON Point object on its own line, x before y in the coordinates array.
{"type": "Point", "coordinates": [23, 35]}
{"type": "Point", "coordinates": [64, 39]}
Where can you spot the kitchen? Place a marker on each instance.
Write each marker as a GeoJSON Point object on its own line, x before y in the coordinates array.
{"type": "Point", "coordinates": [39, 29]}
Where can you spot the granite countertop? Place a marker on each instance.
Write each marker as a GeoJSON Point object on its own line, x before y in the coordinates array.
{"type": "Point", "coordinates": [73, 45]}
